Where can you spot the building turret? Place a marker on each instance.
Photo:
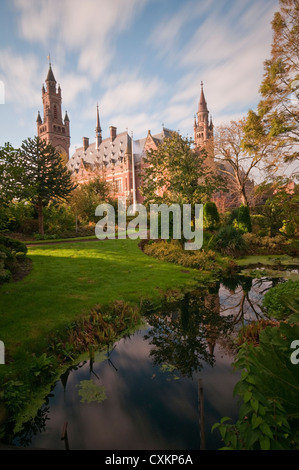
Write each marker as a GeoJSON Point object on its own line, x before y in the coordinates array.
{"type": "Point", "coordinates": [98, 130]}
{"type": "Point", "coordinates": [203, 130]}
{"type": "Point", "coordinates": [53, 128]}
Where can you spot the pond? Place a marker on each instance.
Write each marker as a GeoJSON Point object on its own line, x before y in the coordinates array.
{"type": "Point", "coordinates": [162, 387]}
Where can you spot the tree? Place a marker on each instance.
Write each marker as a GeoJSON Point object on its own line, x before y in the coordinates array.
{"type": "Point", "coordinates": [87, 197]}
{"type": "Point", "coordinates": [211, 216]}
{"type": "Point", "coordinates": [37, 174]}
{"type": "Point", "coordinates": [280, 85]}
{"type": "Point", "coordinates": [243, 150]}
{"type": "Point", "coordinates": [175, 173]}
{"type": "Point", "coordinates": [235, 162]}
{"type": "Point", "coordinates": [10, 173]}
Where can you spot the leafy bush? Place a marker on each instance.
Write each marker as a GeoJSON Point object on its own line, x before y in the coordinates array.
{"type": "Point", "coordinates": [173, 252]}
{"type": "Point", "coordinates": [267, 245]}
{"type": "Point", "coordinates": [18, 217]}
{"type": "Point", "coordinates": [10, 251]}
{"type": "Point", "coordinates": [244, 221]}
{"type": "Point", "coordinates": [268, 417]}
{"type": "Point", "coordinates": [210, 216]}
{"type": "Point", "coordinates": [240, 219]}
{"type": "Point", "coordinates": [59, 219]}
{"type": "Point", "coordinates": [229, 241]}
{"type": "Point", "coordinates": [282, 300]}
{"type": "Point", "coordinates": [15, 246]}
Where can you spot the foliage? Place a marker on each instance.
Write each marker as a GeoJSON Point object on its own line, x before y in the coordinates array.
{"type": "Point", "coordinates": [236, 161]}
{"type": "Point", "coordinates": [269, 385]}
{"type": "Point", "coordinates": [229, 241]}
{"type": "Point", "coordinates": [173, 252]}
{"type": "Point", "coordinates": [174, 173]}
{"type": "Point", "coordinates": [10, 173]}
{"type": "Point", "coordinates": [10, 252]}
{"type": "Point", "coordinates": [210, 216]}
{"type": "Point", "coordinates": [283, 300]}
{"type": "Point", "coordinates": [244, 220]}
{"type": "Point", "coordinates": [59, 219]}
{"type": "Point", "coordinates": [266, 245]}
{"type": "Point", "coordinates": [280, 211]}
{"type": "Point", "coordinates": [280, 85]}
{"type": "Point", "coordinates": [240, 218]}
{"type": "Point", "coordinates": [14, 245]}
{"type": "Point", "coordinates": [87, 197]}
{"type": "Point", "coordinates": [37, 174]}
{"type": "Point", "coordinates": [18, 216]}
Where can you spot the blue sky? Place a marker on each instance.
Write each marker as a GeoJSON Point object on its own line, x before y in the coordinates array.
{"type": "Point", "coordinates": [141, 60]}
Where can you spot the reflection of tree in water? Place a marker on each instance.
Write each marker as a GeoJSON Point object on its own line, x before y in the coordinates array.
{"type": "Point", "coordinates": [37, 424]}
{"type": "Point", "coordinates": [184, 333]}
{"type": "Point", "coordinates": [33, 426]}
{"type": "Point", "coordinates": [242, 297]}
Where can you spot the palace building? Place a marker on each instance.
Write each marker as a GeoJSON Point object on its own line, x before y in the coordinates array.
{"type": "Point", "coordinates": [118, 158]}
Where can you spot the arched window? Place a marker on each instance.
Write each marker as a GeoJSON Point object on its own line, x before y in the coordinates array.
{"type": "Point", "coordinates": [55, 111]}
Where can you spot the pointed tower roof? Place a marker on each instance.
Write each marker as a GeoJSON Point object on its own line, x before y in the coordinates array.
{"type": "Point", "coordinates": [50, 76]}
{"type": "Point", "coordinates": [98, 128]}
{"type": "Point", "coordinates": [66, 118]}
{"type": "Point", "coordinates": [202, 101]}
{"type": "Point", "coordinates": [38, 119]}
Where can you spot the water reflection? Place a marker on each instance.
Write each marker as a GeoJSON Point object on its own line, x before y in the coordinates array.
{"type": "Point", "coordinates": [164, 387]}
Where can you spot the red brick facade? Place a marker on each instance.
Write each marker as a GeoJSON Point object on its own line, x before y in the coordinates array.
{"type": "Point", "coordinates": [118, 158]}
{"type": "Point", "coordinates": [52, 127]}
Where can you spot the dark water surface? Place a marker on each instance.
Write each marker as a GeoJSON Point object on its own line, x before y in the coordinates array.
{"type": "Point", "coordinates": [161, 388]}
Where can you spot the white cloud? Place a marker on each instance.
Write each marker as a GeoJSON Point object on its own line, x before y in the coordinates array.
{"type": "Point", "coordinates": [226, 51]}
{"type": "Point", "coordinates": [88, 27]}
{"type": "Point", "coordinates": [20, 76]}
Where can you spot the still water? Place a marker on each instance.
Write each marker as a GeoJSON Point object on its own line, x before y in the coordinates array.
{"type": "Point", "coordinates": [162, 387]}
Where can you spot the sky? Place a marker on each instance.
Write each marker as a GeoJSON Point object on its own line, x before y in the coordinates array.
{"type": "Point", "coordinates": [141, 61]}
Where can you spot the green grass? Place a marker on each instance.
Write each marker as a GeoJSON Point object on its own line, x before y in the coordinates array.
{"type": "Point", "coordinates": [55, 240]}
{"type": "Point", "coordinates": [269, 260]}
{"type": "Point", "coordinates": [68, 279]}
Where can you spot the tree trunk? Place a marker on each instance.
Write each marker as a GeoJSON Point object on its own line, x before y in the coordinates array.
{"type": "Point", "coordinates": [40, 216]}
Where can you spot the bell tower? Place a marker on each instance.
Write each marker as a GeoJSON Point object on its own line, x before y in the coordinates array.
{"type": "Point", "coordinates": [52, 127]}
{"type": "Point", "coordinates": [203, 129]}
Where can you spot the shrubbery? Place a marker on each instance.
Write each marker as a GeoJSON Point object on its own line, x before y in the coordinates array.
{"type": "Point", "coordinates": [282, 301]}
{"type": "Point", "coordinates": [267, 245]}
{"type": "Point", "coordinates": [10, 252]}
{"type": "Point", "coordinates": [173, 252]}
{"type": "Point", "coordinates": [229, 241]}
{"type": "Point", "coordinates": [210, 216]}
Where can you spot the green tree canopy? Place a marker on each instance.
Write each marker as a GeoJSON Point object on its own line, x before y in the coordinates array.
{"type": "Point", "coordinates": [175, 173]}
{"type": "Point", "coordinates": [280, 86]}
{"type": "Point", "coordinates": [86, 197]}
{"type": "Point", "coordinates": [36, 173]}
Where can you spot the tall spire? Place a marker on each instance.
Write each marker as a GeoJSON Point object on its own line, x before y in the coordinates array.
{"type": "Point", "coordinates": [202, 102]}
{"type": "Point", "coordinates": [50, 76]}
{"type": "Point", "coordinates": [98, 130]}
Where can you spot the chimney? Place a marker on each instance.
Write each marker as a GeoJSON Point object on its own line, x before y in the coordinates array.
{"type": "Point", "coordinates": [85, 143]}
{"type": "Point", "coordinates": [112, 133]}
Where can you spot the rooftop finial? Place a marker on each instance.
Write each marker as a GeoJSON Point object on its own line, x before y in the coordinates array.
{"type": "Point", "coordinates": [49, 59]}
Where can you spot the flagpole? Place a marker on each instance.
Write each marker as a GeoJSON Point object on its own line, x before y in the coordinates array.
{"type": "Point", "coordinates": [133, 176]}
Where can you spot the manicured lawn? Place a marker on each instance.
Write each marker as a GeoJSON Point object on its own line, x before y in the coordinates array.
{"type": "Point", "coordinates": [68, 279]}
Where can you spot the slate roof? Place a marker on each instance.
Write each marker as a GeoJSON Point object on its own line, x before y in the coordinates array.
{"type": "Point", "coordinates": [50, 76]}
{"type": "Point", "coordinates": [112, 152]}
{"type": "Point", "coordinates": [108, 153]}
